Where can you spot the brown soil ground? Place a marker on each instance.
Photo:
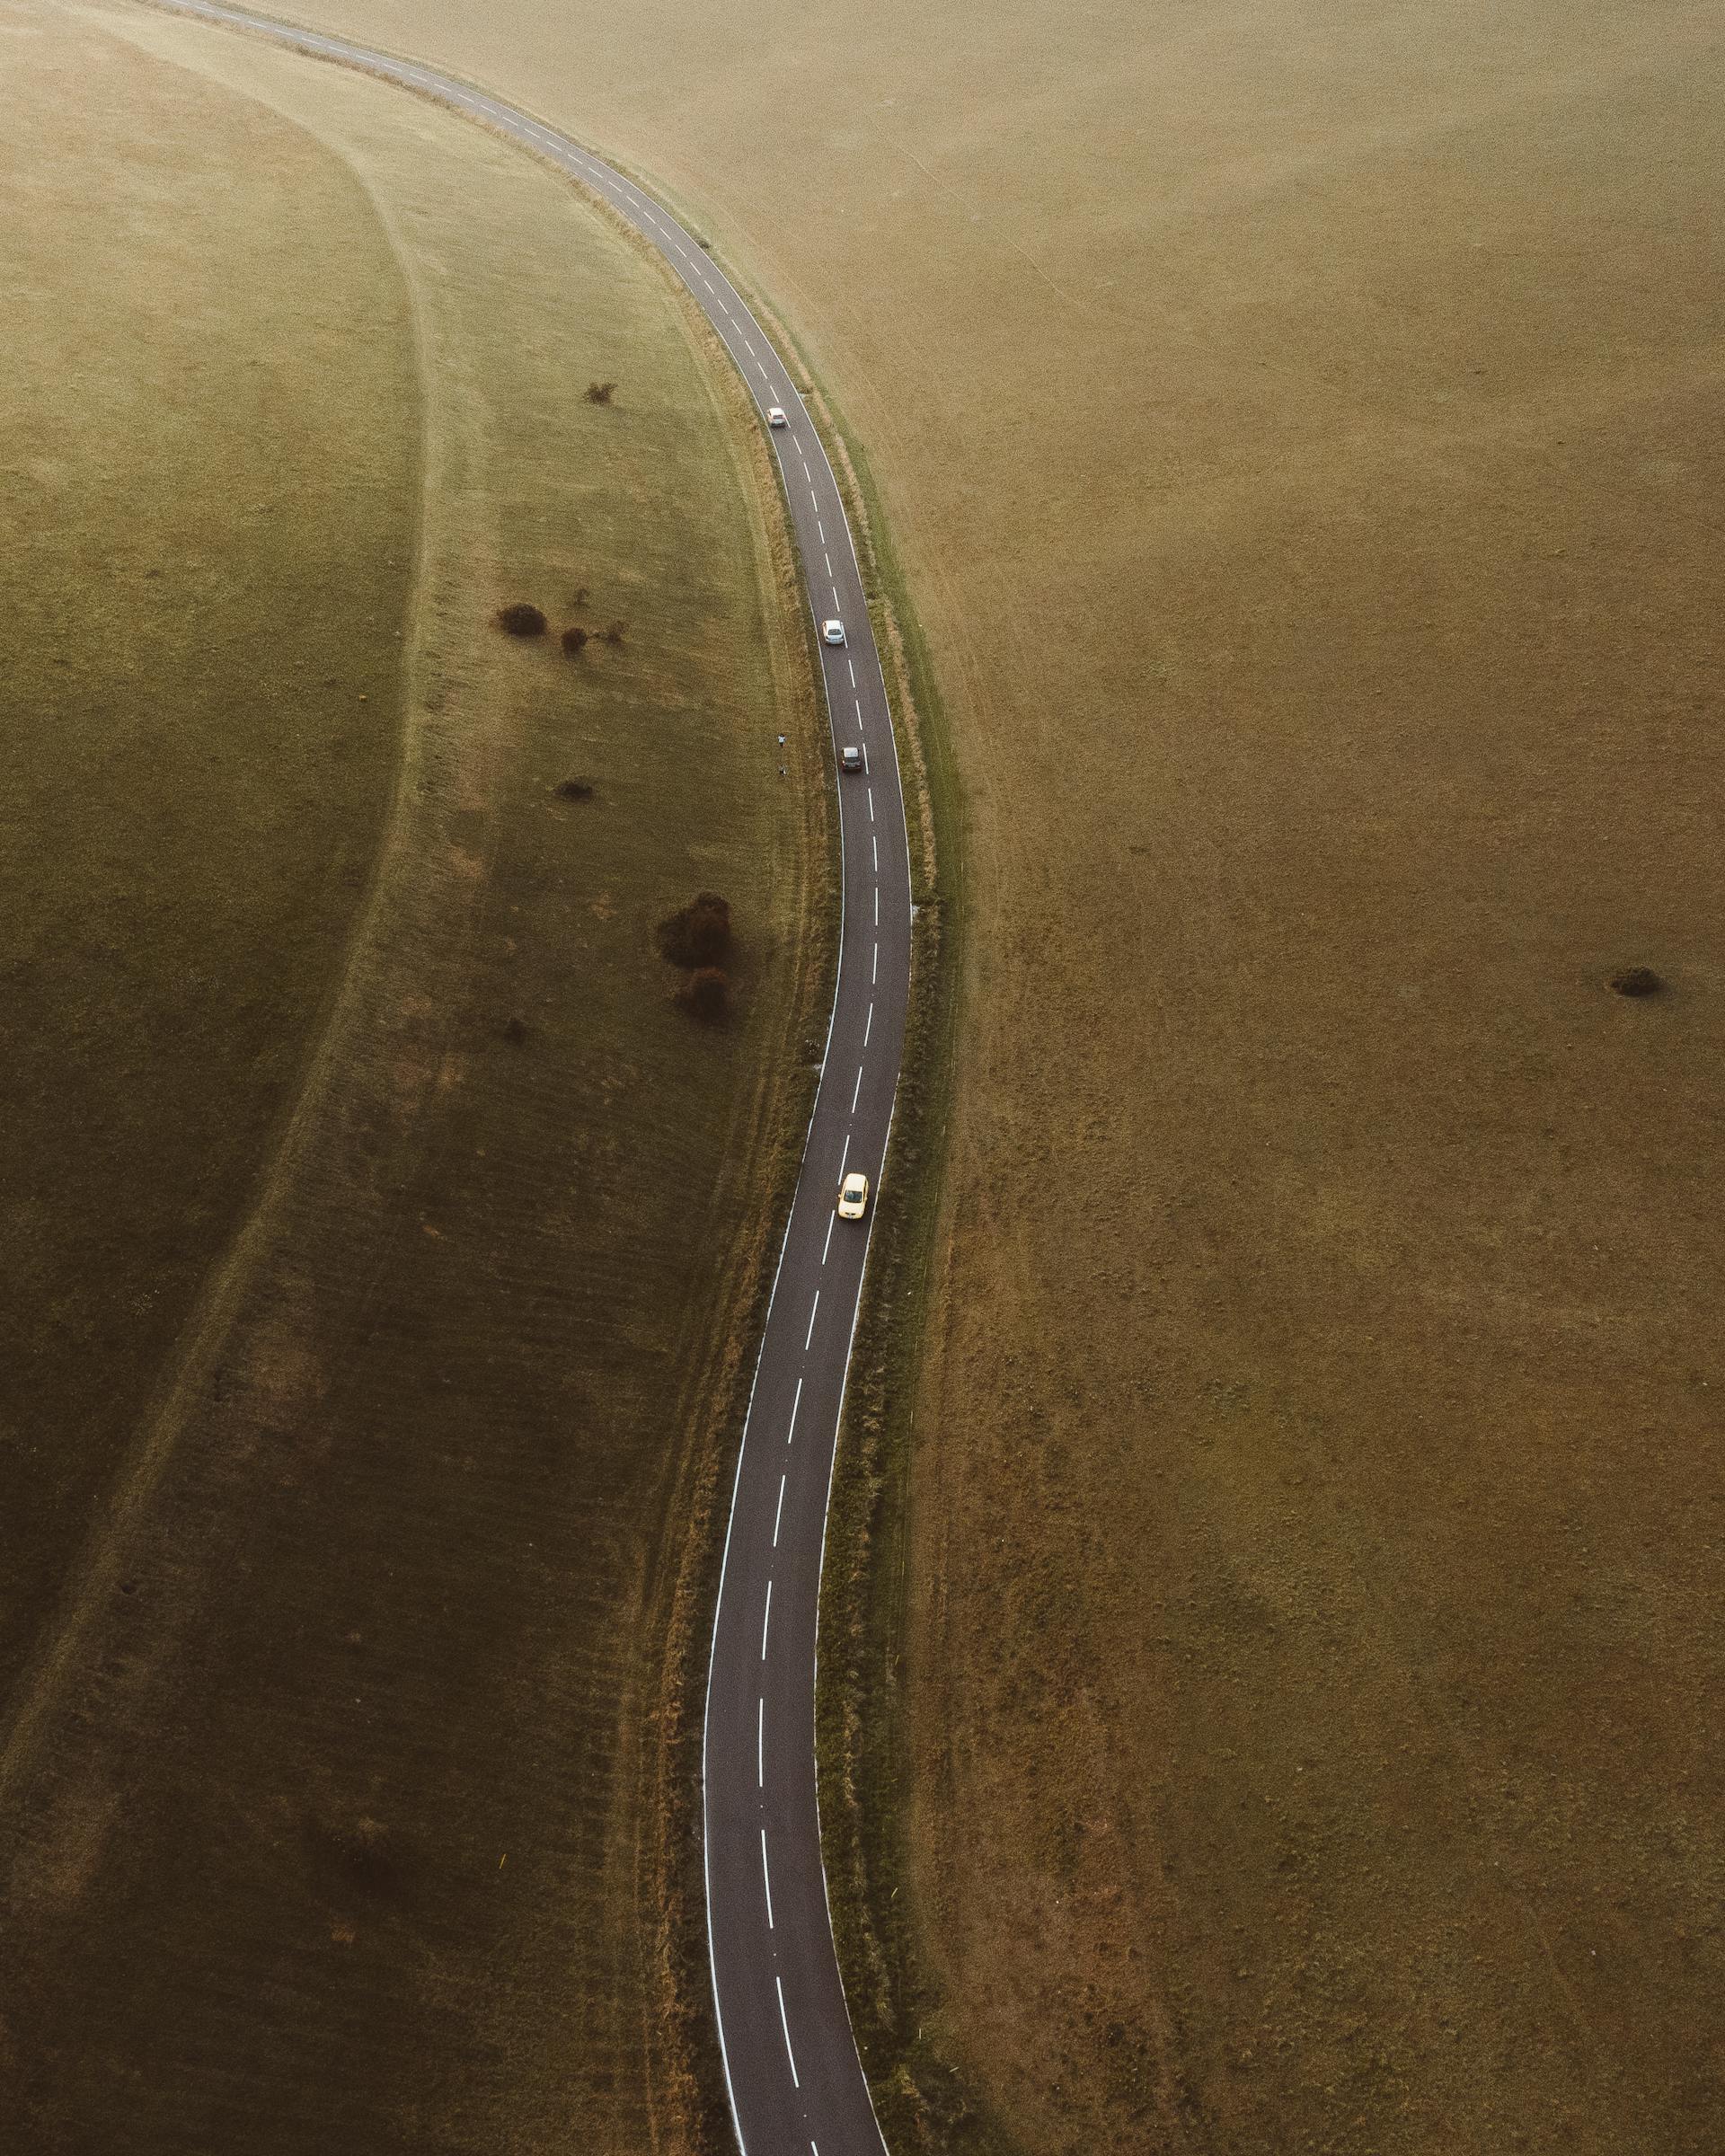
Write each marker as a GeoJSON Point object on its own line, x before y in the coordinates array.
{"type": "Point", "coordinates": [1300, 426]}
{"type": "Point", "coordinates": [343, 1796]}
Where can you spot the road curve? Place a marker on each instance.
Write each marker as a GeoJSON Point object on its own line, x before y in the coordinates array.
{"type": "Point", "coordinates": [791, 2070]}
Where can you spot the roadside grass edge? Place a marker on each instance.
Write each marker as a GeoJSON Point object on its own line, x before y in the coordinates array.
{"type": "Point", "coordinates": [859, 1734]}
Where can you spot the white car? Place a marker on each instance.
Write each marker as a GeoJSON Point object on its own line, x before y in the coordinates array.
{"type": "Point", "coordinates": [833, 631]}
{"type": "Point", "coordinates": [775, 416]}
{"type": "Point", "coordinates": [854, 1197]}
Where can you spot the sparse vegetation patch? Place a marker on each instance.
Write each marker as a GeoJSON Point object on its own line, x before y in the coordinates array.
{"type": "Point", "coordinates": [697, 934]}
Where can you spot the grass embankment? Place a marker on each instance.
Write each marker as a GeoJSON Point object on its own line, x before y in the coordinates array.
{"type": "Point", "coordinates": [1299, 429]}
{"type": "Point", "coordinates": [354, 1810]}
{"type": "Point", "coordinates": [209, 409]}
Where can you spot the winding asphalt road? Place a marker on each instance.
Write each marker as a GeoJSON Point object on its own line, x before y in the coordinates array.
{"type": "Point", "coordinates": [795, 2083]}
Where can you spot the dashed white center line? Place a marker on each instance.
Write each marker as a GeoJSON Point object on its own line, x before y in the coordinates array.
{"type": "Point", "coordinates": [810, 1335]}
{"type": "Point", "coordinates": [751, 347]}
{"type": "Point", "coordinates": [821, 528]}
{"type": "Point", "coordinates": [857, 1088]}
{"type": "Point", "coordinates": [876, 905]}
{"type": "Point", "coordinates": [779, 1514]}
{"type": "Point", "coordinates": [828, 559]}
{"type": "Point", "coordinates": [846, 1153]}
{"type": "Point", "coordinates": [875, 843]}
{"type": "Point", "coordinates": [827, 1245]}
{"type": "Point", "coordinates": [791, 1428]}
{"type": "Point", "coordinates": [766, 1618]}
{"type": "Point", "coordinates": [807, 473]}
{"type": "Point", "coordinates": [785, 2025]}
{"type": "Point", "coordinates": [815, 500]}
{"type": "Point", "coordinates": [760, 1743]}
{"type": "Point", "coordinates": [766, 1880]}
{"type": "Point", "coordinates": [835, 595]}
{"type": "Point", "coordinates": [869, 1026]}
{"type": "Point", "coordinates": [871, 804]}
{"type": "Point", "coordinates": [851, 663]}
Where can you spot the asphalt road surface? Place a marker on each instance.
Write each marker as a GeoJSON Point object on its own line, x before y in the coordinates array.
{"type": "Point", "coordinates": [794, 2080]}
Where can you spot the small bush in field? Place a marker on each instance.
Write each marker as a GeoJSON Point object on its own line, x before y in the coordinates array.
{"type": "Point", "coordinates": [575, 641]}
{"type": "Point", "coordinates": [1637, 980]}
{"type": "Point", "coordinates": [515, 1031]}
{"type": "Point", "coordinates": [575, 790]}
{"type": "Point", "coordinates": [521, 620]}
{"type": "Point", "coordinates": [707, 994]}
{"type": "Point", "coordinates": [697, 935]}
{"type": "Point", "coordinates": [616, 633]}
{"type": "Point", "coordinates": [600, 393]}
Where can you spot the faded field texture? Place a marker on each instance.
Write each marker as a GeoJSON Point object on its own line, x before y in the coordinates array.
{"type": "Point", "coordinates": [392, 1236]}
{"type": "Point", "coordinates": [210, 413]}
{"type": "Point", "coordinates": [1299, 423]}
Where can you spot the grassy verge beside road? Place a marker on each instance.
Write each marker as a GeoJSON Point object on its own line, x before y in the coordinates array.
{"type": "Point", "coordinates": [348, 1808]}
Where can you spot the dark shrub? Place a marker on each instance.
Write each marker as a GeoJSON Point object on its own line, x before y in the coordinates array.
{"type": "Point", "coordinates": [1637, 980]}
{"type": "Point", "coordinates": [575, 790]}
{"type": "Point", "coordinates": [521, 620]}
{"type": "Point", "coordinates": [707, 994]}
{"type": "Point", "coordinates": [515, 1031]}
{"type": "Point", "coordinates": [574, 641]}
{"type": "Point", "coordinates": [698, 935]}
{"type": "Point", "coordinates": [600, 393]}
{"type": "Point", "coordinates": [578, 597]}
{"type": "Point", "coordinates": [615, 633]}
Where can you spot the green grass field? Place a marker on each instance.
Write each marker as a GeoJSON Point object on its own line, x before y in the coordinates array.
{"type": "Point", "coordinates": [345, 1793]}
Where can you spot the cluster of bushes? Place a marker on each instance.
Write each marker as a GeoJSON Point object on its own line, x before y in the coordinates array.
{"type": "Point", "coordinates": [522, 619]}
{"type": "Point", "coordinates": [697, 940]}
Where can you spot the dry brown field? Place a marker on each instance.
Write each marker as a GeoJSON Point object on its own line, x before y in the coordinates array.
{"type": "Point", "coordinates": [1299, 425]}
{"type": "Point", "coordinates": [382, 1240]}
